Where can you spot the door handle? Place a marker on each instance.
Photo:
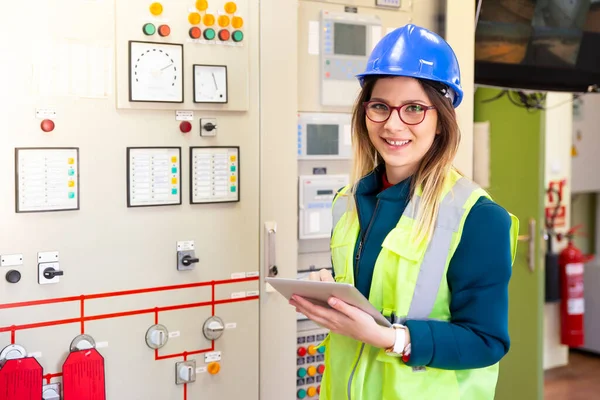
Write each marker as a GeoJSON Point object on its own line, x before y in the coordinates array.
{"type": "Point", "coordinates": [270, 249]}
{"type": "Point", "coordinates": [531, 239]}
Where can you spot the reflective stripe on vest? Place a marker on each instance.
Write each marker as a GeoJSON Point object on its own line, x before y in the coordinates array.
{"type": "Point", "coordinates": [434, 261]}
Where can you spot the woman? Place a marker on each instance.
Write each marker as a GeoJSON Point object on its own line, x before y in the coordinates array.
{"type": "Point", "coordinates": [429, 248]}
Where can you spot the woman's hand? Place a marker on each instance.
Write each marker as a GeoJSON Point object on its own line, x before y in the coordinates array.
{"type": "Point", "coordinates": [322, 275]}
{"type": "Point", "coordinates": [346, 320]}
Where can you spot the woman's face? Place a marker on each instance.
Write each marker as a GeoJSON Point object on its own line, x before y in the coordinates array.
{"type": "Point", "coordinates": [400, 145]}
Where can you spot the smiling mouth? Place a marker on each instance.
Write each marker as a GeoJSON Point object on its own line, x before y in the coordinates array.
{"type": "Point", "coordinates": [397, 143]}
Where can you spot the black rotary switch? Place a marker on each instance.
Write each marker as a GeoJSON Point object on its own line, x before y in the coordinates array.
{"type": "Point", "coordinates": [188, 260]}
{"type": "Point", "coordinates": [13, 276]}
{"type": "Point", "coordinates": [51, 273]}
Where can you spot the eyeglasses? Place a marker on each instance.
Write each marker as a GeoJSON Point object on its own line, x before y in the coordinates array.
{"type": "Point", "coordinates": [410, 114]}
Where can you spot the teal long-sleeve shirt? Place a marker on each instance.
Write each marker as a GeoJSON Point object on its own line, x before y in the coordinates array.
{"type": "Point", "coordinates": [478, 274]}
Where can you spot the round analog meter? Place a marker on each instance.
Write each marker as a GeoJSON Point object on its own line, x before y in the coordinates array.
{"type": "Point", "coordinates": [156, 72]}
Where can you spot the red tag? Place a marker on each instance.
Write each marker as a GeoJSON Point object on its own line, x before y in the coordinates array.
{"type": "Point", "coordinates": [83, 376]}
{"type": "Point", "coordinates": [21, 379]}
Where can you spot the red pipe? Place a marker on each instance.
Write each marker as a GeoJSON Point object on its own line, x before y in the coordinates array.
{"type": "Point", "coordinates": [82, 318]}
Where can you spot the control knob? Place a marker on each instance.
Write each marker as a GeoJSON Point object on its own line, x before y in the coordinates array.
{"type": "Point", "coordinates": [50, 273]}
{"type": "Point", "coordinates": [213, 328]}
{"type": "Point", "coordinates": [13, 276]}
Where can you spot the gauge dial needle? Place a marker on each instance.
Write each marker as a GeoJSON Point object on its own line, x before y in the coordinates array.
{"type": "Point", "coordinates": [162, 69]}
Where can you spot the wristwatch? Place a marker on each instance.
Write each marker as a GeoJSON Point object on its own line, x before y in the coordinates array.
{"type": "Point", "coordinates": [398, 348]}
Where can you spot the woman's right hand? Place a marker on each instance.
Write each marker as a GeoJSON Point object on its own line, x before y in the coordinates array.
{"type": "Point", "coordinates": [322, 275]}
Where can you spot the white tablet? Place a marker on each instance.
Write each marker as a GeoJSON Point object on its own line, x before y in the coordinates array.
{"type": "Point", "coordinates": [318, 292]}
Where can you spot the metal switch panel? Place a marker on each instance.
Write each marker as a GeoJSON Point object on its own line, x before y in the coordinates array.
{"type": "Point", "coordinates": [51, 392]}
{"type": "Point", "coordinates": [185, 372]}
{"type": "Point", "coordinates": [49, 272]}
{"type": "Point", "coordinates": [186, 256]}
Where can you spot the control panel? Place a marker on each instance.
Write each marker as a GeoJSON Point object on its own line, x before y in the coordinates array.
{"type": "Point", "coordinates": [127, 238]}
{"type": "Point", "coordinates": [310, 359]}
{"type": "Point", "coordinates": [324, 136]}
{"type": "Point", "coordinates": [315, 198]}
{"type": "Point", "coordinates": [346, 43]}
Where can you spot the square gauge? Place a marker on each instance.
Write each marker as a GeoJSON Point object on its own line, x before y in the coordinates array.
{"type": "Point", "coordinates": [155, 72]}
{"type": "Point", "coordinates": [210, 83]}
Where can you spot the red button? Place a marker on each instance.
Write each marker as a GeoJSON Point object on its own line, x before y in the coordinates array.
{"type": "Point", "coordinates": [185, 126]}
{"type": "Point", "coordinates": [47, 125]}
{"type": "Point", "coordinates": [319, 389]}
{"type": "Point", "coordinates": [301, 351]}
{"type": "Point", "coordinates": [321, 369]}
{"type": "Point", "coordinates": [224, 35]}
{"type": "Point", "coordinates": [195, 32]}
{"type": "Point", "coordinates": [164, 30]}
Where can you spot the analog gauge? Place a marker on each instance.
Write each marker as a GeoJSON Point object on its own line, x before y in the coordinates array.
{"type": "Point", "coordinates": [156, 72]}
{"type": "Point", "coordinates": [210, 83]}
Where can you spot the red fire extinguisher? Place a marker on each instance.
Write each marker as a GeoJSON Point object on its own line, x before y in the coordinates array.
{"type": "Point", "coordinates": [571, 264]}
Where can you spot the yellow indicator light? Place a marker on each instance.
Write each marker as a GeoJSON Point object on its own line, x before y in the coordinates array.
{"type": "Point", "coordinates": [230, 7]}
{"type": "Point", "coordinates": [156, 8]}
{"type": "Point", "coordinates": [223, 21]}
{"type": "Point", "coordinates": [237, 22]}
{"type": "Point", "coordinates": [209, 20]}
{"type": "Point", "coordinates": [194, 18]}
{"type": "Point", "coordinates": [201, 5]}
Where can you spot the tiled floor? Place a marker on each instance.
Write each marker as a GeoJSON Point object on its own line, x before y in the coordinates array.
{"type": "Point", "coordinates": [580, 380]}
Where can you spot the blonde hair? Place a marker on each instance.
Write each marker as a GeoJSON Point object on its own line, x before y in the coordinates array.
{"type": "Point", "coordinates": [434, 167]}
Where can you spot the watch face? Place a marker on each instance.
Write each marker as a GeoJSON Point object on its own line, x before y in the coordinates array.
{"type": "Point", "coordinates": [156, 72]}
{"type": "Point", "coordinates": [210, 83]}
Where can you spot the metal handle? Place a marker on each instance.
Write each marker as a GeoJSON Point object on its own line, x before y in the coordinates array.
{"type": "Point", "coordinates": [270, 245]}
{"type": "Point", "coordinates": [531, 239]}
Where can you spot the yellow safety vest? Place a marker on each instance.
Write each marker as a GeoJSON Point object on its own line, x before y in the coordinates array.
{"type": "Point", "coordinates": [409, 282]}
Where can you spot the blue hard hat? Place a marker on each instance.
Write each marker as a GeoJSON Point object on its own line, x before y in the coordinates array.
{"type": "Point", "coordinates": [416, 52]}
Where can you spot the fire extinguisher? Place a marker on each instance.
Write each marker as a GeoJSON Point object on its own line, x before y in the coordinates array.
{"type": "Point", "coordinates": [571, 266]}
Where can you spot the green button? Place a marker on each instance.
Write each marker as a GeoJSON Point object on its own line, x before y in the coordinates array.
{"type": "Point", "coordinates": [173, 191]}
{"type": "Point", "coordinates": [301, 393]}
{"type": "Point", "coordinates": [174, 170]}
{"type": "Point", "coordinates": [209, 34]}
{"type": "Point", "coordinates": [71, 195]}
{"type": "Point", "coordinates": [327, 62]}
{"type": "Point", "coordinates": [238, 36]}
{"type": "Point", "coordinates": [321, 349]}
{"type": "Point", "coordinates": [71, 172]}
{"type": "Point", "coordinates": [149, 29]}
{"type": "Point", "coordinates": [301, 372]}
{"type": "Point", "coordinates": [232, 168]}
{"type": "Point", "coordinates": [233, 189]}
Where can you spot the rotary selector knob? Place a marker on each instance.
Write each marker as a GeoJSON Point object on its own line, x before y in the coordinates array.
{"type": "Point", "coordinates": [12, 352]}
{"type": "Point", "coordinates": [157, 336]}
{"type": "Point", "coordinates": [213, 328]}
{"type": "Point", "coordinates": [82, 342]}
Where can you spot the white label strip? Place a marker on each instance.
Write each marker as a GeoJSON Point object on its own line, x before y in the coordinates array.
{"type": "Point", "coordinates": [238, 275]}
{"type": "Point", "coordinates": [238, 295]}
{"type": "Point", "coordinates": [213, 356]}
{"type": "Point", "coordinates": [231, 325]}
{"type": "Point", "coordinates": [174, 334]}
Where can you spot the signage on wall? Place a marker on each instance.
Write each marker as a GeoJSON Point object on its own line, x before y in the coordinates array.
{"type": "Point", "coordinates": [555, 208]}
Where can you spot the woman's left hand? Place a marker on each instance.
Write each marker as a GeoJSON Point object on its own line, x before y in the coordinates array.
{"type": "Point", "coordinates": [346, 320]}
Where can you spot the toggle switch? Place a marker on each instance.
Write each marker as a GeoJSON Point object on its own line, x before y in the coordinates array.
{"type": "Point", "coordinates": [185, 372]}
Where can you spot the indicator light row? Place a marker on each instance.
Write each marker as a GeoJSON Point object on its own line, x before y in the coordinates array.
{"type": "Point", "coordinates": [196, 33]}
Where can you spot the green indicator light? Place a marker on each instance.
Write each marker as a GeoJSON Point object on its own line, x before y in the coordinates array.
{"type": "Point", "coordinates": [149, 29]}
{"type": "Point", "coordinates": [238, 36]}
{"type": "Point", "coordinates": [209, 34]}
